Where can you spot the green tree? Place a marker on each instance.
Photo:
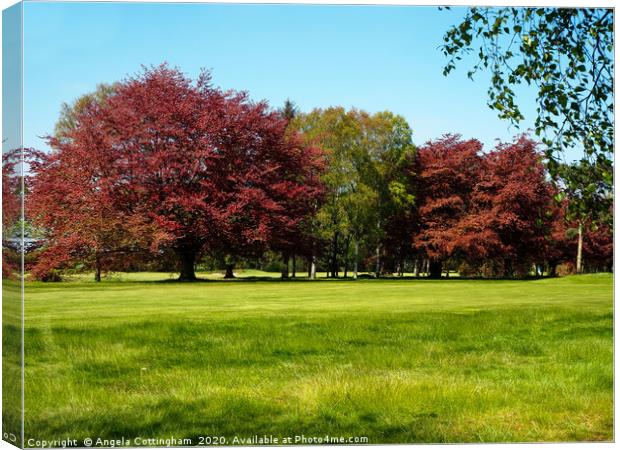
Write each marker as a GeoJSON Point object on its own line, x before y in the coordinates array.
{"type": "Point", "coordinates": [389, 150]}
{"type": "Point", "coordinates": [589, 193]}
{"type": "Point", "coordinates": [289, 110]}
{"type": "Point", "coordinates": [363, 178]}
{"type": "Point", "coordinates": [566, 53]}
{"type": "Point", "coordinates": [69, 112]}
{"type": "Point", "coordinates": [334, 130]}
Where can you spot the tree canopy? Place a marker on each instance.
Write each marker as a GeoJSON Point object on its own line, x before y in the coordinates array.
{"type": "Point", "coordinates": [159, 169]}
{"type": "Point", "coordinates": [365, 178]}
{"type": "Point", "coordinates": [166, 162]}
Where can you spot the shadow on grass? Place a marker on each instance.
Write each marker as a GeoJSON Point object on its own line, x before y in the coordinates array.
{"type": "Point", "coordinates": [268, 279]}
{"type": "Point", "coordinates": [258, 279]}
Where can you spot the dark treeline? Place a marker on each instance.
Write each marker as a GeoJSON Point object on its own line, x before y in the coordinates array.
{"type": "Point", "coordinates": [162, 173]}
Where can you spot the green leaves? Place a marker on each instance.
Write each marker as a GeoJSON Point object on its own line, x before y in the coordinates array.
{"type": "Point", "coordinates": [589, 190]}
{"type": "Point", "coordinates": [567, 53]}
{"type": "Point", "coordinates": [366, 176]}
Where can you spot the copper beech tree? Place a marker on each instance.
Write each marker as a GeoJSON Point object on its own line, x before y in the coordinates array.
{"type": "Point", "coordinates": [511, 215]}
{"type": "Point", "coordinates": [165, 163]}
{"type": "Point", "coordinates": [494, 213]}
{"type": "Point", "coordinates": [447, 171]}
{"type": "Point", "coordinates": [11, 209]}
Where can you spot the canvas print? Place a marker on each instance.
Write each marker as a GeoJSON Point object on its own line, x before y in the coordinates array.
{"type": "Point", "coordinates": [302, 224]}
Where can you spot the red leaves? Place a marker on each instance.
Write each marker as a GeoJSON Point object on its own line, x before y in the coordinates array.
{"type": "Point", "coordinates": [448, 170]}
{"type": "Point", "coordinates": [11, 210]}
{"type": "Point", "coordinates": [11, 187]}
{"type": "Point", "coordinates": [516, 197]}
{"type": "Point", "coordinates": [179, 163]}
{"type": "Point", "coordinates": [478, 207]}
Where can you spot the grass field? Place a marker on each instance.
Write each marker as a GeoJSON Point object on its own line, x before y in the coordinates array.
{"type": "Point", "coordinates": [391, 360]}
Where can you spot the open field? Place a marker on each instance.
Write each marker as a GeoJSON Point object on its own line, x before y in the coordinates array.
{"type": "Point", "coordinates": [393, 360]}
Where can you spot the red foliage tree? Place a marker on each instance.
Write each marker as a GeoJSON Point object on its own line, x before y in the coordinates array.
{"type": "Point", "coordinates": [562, 246]}
{"type": "Point", "coordinates": [447, 172]}
{"type": "Point", "coordinates": [73, 200]}
{"type": "Point", "coordinates": [598, 248]}
{"type": "Point", "coordinates": [11, 210]}
{"type": "Point", "coordinates": [511, 211]}
{"type": "Point", "coordinates": [11, 187]}
{"type": "Point", "coordinates": [165, 162]}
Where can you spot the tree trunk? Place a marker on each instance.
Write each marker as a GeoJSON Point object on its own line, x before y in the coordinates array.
{"type": "Point", "coordinates": [229, 271]}
{"type": "Point", "coordinates": [508, 269]}
{"type": "Point", "coordinates": [346, 256]}
{"type": "Point", "coordinates": [578, 267]}
{"type": "Point", "coordinates": [334, 256]}
{"type": "Point", "coordinates": [553, 269]}
{"type": "Point", "coordinates": [97, 270]}
{"type": "Point", "coordinates": [312, 267]}
{"type": "Point", "coordinates": [416, 268]}
{"type": "Point", "coordinates": [378, 262]}
{"type": "Point", "coordinates": [285, 258]}
{"type": "Point", "coordinates": [294, 267]}
{"type": "Point", "coordinates": [356, 249]}
{"type": "Point", "coordinates": [539, 270]}
{"type": "Point", "coordinates": [434, 270]}
{"type": "Point", "coordinates": [187, 259]}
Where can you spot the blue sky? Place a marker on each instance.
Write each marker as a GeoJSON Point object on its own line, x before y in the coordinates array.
{"type": "Point", "coordinates": [11, 78]}
{"type": "Point", "coordinates": [371, 57]}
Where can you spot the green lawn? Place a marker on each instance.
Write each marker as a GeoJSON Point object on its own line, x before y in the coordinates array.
{"type": "Point", "coordinates": [391, 360]}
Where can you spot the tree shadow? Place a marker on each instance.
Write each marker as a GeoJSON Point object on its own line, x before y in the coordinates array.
{"type": "Point", "coordinates": [267, 279]}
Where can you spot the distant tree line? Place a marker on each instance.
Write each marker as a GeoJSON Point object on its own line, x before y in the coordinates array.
{"type": "Point", "coordinates": [161, 172]}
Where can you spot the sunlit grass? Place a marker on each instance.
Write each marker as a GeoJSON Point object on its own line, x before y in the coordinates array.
{"type": "Point", "coordinates": [394, 360]}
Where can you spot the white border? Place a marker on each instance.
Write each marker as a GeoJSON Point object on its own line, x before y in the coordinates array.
{"type": "Point", "coordinates": [562, 3]}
